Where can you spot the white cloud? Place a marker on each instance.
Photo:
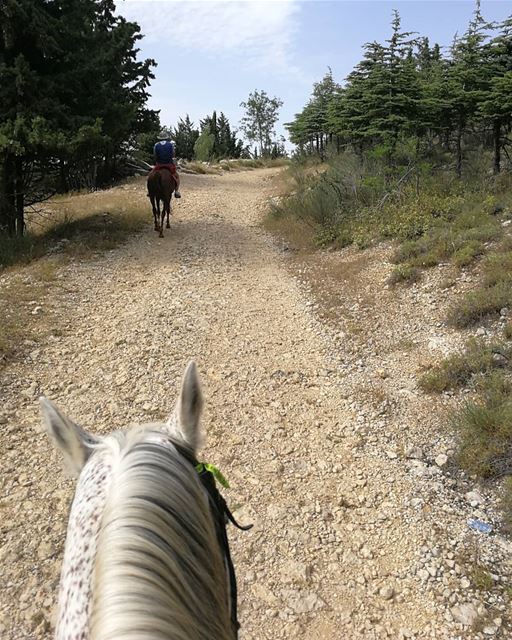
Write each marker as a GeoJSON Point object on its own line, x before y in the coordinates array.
{"type": "Point", "coordinates": [259, 33]}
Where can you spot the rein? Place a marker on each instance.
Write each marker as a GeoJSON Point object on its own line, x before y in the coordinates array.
{"type": "Point", "coordinates": [221, 516]}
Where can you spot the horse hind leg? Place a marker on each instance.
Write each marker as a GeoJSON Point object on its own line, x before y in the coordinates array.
{"type": "Point", "coordinates": [168, 225]}
{"type": "Point", "coordinates": [155, 211]}
{"type": "Point", "coordinates": [162, 218]}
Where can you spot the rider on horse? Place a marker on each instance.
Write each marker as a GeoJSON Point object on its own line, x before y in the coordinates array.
{"type": "Point", "coordinates": [164, 152]}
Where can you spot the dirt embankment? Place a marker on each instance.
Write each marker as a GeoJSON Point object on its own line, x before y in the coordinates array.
{"type": "Point", "coordinates": [309, 366]}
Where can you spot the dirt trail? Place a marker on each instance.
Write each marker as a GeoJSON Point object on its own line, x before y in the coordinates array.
{"type": "Point", "coordinates": [352, 538]}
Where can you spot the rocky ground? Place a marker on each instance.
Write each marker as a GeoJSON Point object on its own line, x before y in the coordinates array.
{"type": "Point", "coordinates": [309, 365]}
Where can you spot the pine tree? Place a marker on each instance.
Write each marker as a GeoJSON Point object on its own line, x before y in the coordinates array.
{"type": "Point", "coordinates": [204, 145]}
{"type": "Point", "coordinates": [467, 80]}
{"type": "Point", "coordinates": [229, 145]}
{"type": "Point", "coordinates": [496, 105]}
{"type": "Point", "coordinates": [72, 97]}
{"type": "Point", "coordinates": [225, 143]}
{"type": "Point", "coordinates": [435, 116]}
{"type": "Point", "coordinates": [405, 91]}
{"type": "Point", "coordinates": [185, 136]}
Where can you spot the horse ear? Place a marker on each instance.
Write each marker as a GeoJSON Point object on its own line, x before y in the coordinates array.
{"type": "Point", "coordinates": [75, 443]}
{"type": "Point", "coordinates": [188, 408]}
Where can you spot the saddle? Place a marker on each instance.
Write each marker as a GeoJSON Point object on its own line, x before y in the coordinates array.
{"type": "Point", "coordinates": [170, 167]}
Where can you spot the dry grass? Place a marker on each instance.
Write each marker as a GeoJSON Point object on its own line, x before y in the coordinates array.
{"type": "Point", "coordinates": [21, 293]}
{"type": "Point", "coordinates": [80, 224]}
{"type": "Point", "coordinates": [203, 168]}
{"type": "Point", "coordinates": [297, 233]}
{"type": "Point", "coordinates": [73, 225]}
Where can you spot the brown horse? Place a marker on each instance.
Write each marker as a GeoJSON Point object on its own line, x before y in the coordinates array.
{"type": "Point", "coordinates": [161, 185]}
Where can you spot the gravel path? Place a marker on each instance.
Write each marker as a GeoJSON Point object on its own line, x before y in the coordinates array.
{"type": "Point", "coordinates": [358, 531]}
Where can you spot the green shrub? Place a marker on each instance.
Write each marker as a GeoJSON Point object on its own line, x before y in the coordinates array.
{"type": "Point", "coordinates": [461, 240]}
{"type": "Point", "coordinates": [344, 238]}
{"type": "Point", "coordinates": [485, 428]}
{"type": "Point", "coordinates": [494, 294]}
{"type": "Point", "coordinates": [478, 305]}
{"type": "Point", "coordinates": [457, 370]}
{"type": "Point", "coordinates": [326, 236]}
{"type": "Point", "coordinates": [497, 269]}
{"type": "Point", "coordinates": [506, 506]}
{"type": "Point", "coordinates": [436, 218]}
{"type": "Point", "coordinates": [466, 254]}
{"type": "Point", "coordinates": [404, 273]}
{"type": "Point", "coordinates": [481, 578]}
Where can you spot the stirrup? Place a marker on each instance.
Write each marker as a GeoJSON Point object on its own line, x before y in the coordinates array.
{"type": "Point", "coordinates": [177, 194]}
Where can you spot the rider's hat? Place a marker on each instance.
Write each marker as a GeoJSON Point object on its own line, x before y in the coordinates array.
{"type": "Point", "coordinates": [164, 135]}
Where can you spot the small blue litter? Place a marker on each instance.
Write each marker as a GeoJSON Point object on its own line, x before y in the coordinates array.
{"type": "Point", "coordinates": [479, 525]}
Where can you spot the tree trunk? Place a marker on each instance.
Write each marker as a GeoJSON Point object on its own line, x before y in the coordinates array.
{"type": "Point", "coordinates": [446, 140]}
{"type": "Point", "coordinates": [7, 210]}
{"type": "Point", "coordinates": [458, 160]}
{"type": "Point", "coordinates": [4, 210]}
{"type": "Point", "coordinates": [19, 197]}
{"type": "Point", "coordinates": [496, 132]}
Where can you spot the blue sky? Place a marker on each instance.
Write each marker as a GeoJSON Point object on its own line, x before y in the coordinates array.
{"type": "Point", "coordinates": [211, 54]}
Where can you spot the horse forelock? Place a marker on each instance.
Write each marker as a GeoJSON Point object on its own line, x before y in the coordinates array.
{"type": "Point", "coordinates": [142, 559]}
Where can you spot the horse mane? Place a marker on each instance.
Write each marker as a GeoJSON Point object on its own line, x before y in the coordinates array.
{"type": "Point", "coordinates": [159, 571]}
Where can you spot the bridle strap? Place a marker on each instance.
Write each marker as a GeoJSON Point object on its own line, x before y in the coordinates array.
{"type": "Point", "coordinates": [221, 515]}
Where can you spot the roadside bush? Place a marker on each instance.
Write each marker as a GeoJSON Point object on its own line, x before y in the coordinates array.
{"type": "Point", "coordinates": [436, 218]}
{"type": "Point", "coordinates": [485, 429]}
{"type": "Point", "coordinates": [506, 504]}
{"type": "Point", "coordinates": [484, 423]}
{"type": "Point", "coordinates": [460, 239]}
{"type": "Point", "coordinates": [404, 274]}
{"type": "Point", "coordinates": [477, 305]}
{"type": "Point", "coordinates": [458, 370]}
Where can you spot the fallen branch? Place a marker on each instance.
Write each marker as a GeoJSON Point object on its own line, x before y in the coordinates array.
{"type": "Point", "coordinates": [397, 187]}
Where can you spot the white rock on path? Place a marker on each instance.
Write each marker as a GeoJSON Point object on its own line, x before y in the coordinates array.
{"type": "Point", "coordinates": [441, 459]}
{"type": "Point", "coordinates": [474, 498]}
{"type": "Point", "coordinates": [466, 614]}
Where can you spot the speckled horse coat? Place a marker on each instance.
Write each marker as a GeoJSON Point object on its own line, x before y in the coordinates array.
{"type": "Point", "coordinates": [142, 561]}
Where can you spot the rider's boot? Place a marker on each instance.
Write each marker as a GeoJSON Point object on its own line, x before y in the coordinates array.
{"type": "Point", "coordinates": [177, 180]}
